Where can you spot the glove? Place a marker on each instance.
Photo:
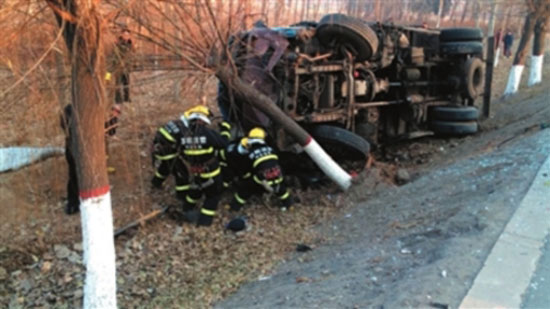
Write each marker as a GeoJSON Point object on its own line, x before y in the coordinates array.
{"type": "Point", "coordinates": [157, 182]}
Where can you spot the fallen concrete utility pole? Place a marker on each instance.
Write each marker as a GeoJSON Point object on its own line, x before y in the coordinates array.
{"type": "Point", "coordinates": [14, 158]}
{"type": "Point", "coordinates": [266, 105]}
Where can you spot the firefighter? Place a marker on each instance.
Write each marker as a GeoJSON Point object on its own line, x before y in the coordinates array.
{"type": "Point", "coordinates": [166, 156]}
{"type": "Point", "coordinates": [260, 170]}
{"type": "Point", "coordinates": [119, 66]}
{"type": "Point", "coordinates": [199, 149]}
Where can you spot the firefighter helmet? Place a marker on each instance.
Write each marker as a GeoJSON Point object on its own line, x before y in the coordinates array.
{"type": "Point", "coordinates": [199, 112]}
{"type": "Point", "coordinates": [257, 133]}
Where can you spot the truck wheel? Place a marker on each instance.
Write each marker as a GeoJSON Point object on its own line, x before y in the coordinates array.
{"type": "Point", "coordinates": [345, 147]}
{"type": "Point", "coordinates": [474, 74]}
{"type": "Point", "coordinates": [335, 30]}
{"type": "Point", "coordinates": [460, 34]}
{"type": "Point", "coordinates": [461, 48]}
{"type": "Point", "coordinates": [454, 113]}
{"type": "Point", "coordinates": [454, 128]}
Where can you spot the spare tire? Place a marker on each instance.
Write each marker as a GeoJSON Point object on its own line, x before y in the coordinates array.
{"type": "Point", "coordinates": [345, 147]}
{"type": "Point", "coordinates": [461, 48]}
{"type": "Point", "coordinates": [474, 73]}
{"type": "Point", "coordinates": [336, 30]}
{"type": "Point", "coordinates": [460, 34]}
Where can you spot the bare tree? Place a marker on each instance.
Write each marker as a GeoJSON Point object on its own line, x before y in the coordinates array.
{"type": "Point", "coordinates": [535, 70]}
{"type": "Point", "coordinates": [439, 12]}
{"type": "Point", "coordinates": [538, 9]}
{"type": "Point", "coordinates": [81, 24]}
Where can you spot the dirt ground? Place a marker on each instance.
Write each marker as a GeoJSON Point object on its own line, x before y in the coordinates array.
{"type": "Point", "coordinates": [167, 264]}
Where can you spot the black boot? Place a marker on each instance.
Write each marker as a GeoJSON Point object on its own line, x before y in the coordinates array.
{"type": "Point", "coordinates": [191, 216]}
{"type": "Point", "coordinates": [72, 208]}
{"type": "Point", "coordinates": [205, 220]}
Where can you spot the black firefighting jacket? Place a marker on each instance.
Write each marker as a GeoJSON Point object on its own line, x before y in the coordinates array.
{"type": "Point", "coordinates": [264, 165]}
{"type": "Point", "coordinates": [199, 147]}
{"type": "Point", "coordinates": [167, 140]}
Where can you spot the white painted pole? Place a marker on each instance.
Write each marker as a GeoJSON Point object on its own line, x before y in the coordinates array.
{"type": "Point", "coordinates": [327, 164]}
{"type": "Point", "coordinates": [99, 249]}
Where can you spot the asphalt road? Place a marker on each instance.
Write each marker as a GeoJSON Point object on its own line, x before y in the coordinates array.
{"type": "Point", "coordinates": [419, 245]}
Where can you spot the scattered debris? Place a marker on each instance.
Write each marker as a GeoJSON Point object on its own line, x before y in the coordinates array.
{"type": "Point", "coordinates": [439, 305]}
{"type": "Point", "coordinates": [303, 280]}
{"type": "Point", "coordinates": [3, 273]}
{"type": "Point", "coordinates": [302, 248]}
{"type": "Point", "coordinates": [402, 176]}
{"type": "Point", "coordinates": [61, 251]}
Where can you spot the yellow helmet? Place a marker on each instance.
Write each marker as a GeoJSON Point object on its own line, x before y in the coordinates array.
{"type": "Point", "coordinates": [257, 133]}
{"type": "Point", "coordinates": [198, 112]}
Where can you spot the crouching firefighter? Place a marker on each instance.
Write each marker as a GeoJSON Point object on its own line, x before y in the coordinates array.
{"type": "Point", "coordinates": [264, 174]}
{"type": "Point", "coordinates": [199, 148]}
{"type": "Point", "coordinates": [166, 156]}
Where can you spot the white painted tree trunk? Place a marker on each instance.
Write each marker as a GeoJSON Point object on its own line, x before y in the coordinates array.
{"type": "Point", "coordinates": [327, 164]}
{"type": "Point", "coordinates": [99, 250]}
{"type": "Point", "coordinates": [497, 56]}
{"type": "Point", "coordinates": [513, 79]}
{"type": "Point", "coordinates": [535, 70]}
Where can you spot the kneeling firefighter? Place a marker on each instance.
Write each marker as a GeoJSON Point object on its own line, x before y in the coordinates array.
{"type": "Point", "coordinates": [264, 174]}
{"type": "Point", "coordinates": [166, 156]}
{"type": "Point", "coordinates": [199, 148]}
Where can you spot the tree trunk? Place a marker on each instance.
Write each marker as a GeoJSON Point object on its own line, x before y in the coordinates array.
{"type": "Point", "coordinates": [491, 29]}
{"type": "Point", "coordinates": [264, 103]}
{"type": "Point", "coordinates": [477, 8]}
{"type": "Point", "coordinates": [87, 127]}
{"type": "Point", "coordinates": [535, 69]}
{"type": "Point", "coordinates": [467, 5]}
{"type": "Point", "coordinates": [439, 11]}
{"type": "Point", "coordinates": [521, 54]}
{"type": "Point", "coordinates": [378, 10]}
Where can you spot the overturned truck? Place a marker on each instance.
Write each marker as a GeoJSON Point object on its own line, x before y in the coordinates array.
{"type": "Point", "coordinates": [353, 84]}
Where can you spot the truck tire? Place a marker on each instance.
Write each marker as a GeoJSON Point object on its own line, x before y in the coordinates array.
{"type": "Point", "coordinates": [454, 113]}
{"type": "Point", "coordinates": [342, 145]}
{"type": "Point", "coordinates": [335, 30]}
{"type": "Point", "coordinates": [474, 76]}
{"type": "Point", "coordinates": [454, 128]}
{"type": "Point", "coordinates": [461, 48]}
{"type": "Point", "coordinates": [460, 34]}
